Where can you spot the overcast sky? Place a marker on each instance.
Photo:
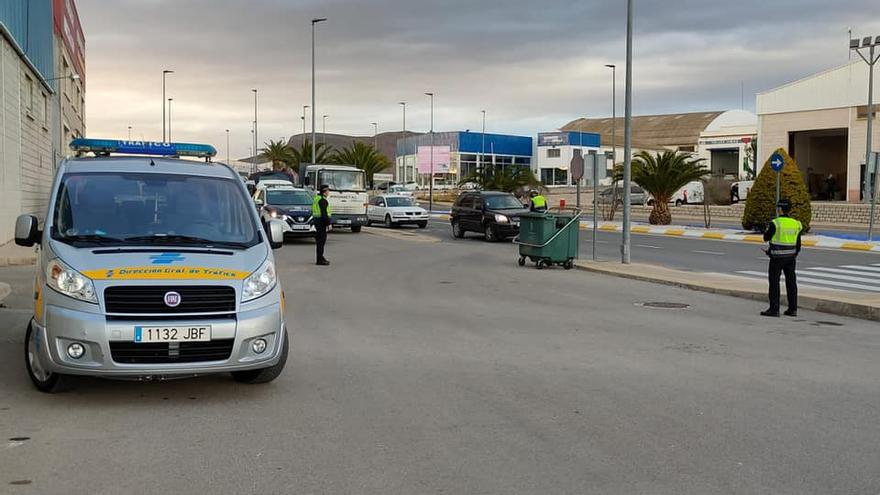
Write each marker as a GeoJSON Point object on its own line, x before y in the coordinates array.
{"type": "Point", "coordinates": [532, 64]}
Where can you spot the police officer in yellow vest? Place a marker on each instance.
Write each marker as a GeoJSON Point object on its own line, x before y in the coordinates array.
{"type": "Point", "coordinates": [321, 219]}
{"type": "Point", "coordinates": [784, 235]}
{"type": "Point", "coordinates": [537, 202]}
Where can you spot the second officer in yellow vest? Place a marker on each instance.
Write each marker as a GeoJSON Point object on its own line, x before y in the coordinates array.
{"type": "Point", "coordinates": [537, 202]}
{"type": "Point", "coordinates": [784, 235]}
{"type": "Point", "coordinates": [321, 219]}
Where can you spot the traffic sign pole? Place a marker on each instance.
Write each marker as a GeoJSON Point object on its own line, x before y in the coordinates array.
{"type": "Point", "coordinates": [775, 207]}
{"type": "Point", "coordinates": [776, 163]}
{"type": "Point", "coordinates": [595, 200]}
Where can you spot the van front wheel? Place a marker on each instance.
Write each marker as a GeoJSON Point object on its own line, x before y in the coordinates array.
{"type": "Point", "coordinates": [264, 375]}
{"type": "Point", "coordinates": [44, 380]}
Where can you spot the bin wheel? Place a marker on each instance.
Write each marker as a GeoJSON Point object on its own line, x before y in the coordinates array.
{"type": "Point", "coordinates": [522, 261]}
{"type": "Point", "coordinates": [568, 265]}
{"type": "Point", "coordinates": [541, 264]}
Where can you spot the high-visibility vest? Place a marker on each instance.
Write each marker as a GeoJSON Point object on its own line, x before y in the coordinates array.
{"type": "Point", "coordinates": [539, 202]}
{"type": "Point", "coordinates": [785, 235]}
{"type": "Point", "coordinates": [316, 208]}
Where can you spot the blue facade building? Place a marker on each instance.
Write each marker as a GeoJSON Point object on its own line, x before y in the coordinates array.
{"type": "Point", "coordinates": [466, 152]}
{"type": "Point", "coordinates": [27, 26]}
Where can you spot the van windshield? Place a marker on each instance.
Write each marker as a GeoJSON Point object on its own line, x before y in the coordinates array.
{"type": "Point", "coordinates": [342, 180]}
{"type": "Point", "coordinates": [145, 209]}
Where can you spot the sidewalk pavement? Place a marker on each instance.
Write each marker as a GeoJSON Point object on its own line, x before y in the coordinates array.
{"type": "Point", "coordinates": [11, 254]}
{"type": "Point", "coordinates": [734, 235]}
{"type": "Point", "coordinates": [853, 304]}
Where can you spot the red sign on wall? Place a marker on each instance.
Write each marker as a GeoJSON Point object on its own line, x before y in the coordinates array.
{"type": "Point", "coordinates": [70, 31]}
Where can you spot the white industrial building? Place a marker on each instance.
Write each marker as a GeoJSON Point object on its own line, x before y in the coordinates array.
{"type": "Point", "coordinates": [821, 121]}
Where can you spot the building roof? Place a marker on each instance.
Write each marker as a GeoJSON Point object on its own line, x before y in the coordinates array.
{"type": "Point", "coordinates": [650, 131]}
{"type": "Point", "coordinates": [838, 87]}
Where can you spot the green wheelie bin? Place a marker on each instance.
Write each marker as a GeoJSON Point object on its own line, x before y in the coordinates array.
{"type": "Point", "coordinates": [549, 238]}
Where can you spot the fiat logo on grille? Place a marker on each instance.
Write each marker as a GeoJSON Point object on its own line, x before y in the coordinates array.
{"type": "Point", "coordinates": [172, 299]}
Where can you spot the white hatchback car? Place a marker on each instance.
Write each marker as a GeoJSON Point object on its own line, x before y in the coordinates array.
{"type": "Point", "coordinates": [394, 210]}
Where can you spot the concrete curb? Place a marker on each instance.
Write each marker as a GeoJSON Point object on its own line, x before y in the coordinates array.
{"type": "Point", "coordinates": [837, 306]}
{"type": "Point", "coordinates": [17, 260]}
{"type": "Point", "coordinates": [5, 290]}
{"type": "Point", "coordinates": [727, 235]}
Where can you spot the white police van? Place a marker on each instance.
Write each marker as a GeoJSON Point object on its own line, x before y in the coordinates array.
{"type": "Point", "coordinates": [151, 267]}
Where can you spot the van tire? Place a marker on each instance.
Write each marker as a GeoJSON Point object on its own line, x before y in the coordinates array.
{"type": "Point", "coordinates": [265, 375]}
{"type": "Point", "coordinates": [54, 383]}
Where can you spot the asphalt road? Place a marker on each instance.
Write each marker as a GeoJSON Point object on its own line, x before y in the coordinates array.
{"type": "Point", "coordinates": [425, 365]}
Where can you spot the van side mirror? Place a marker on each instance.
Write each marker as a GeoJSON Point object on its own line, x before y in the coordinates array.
{"type": "Point", "coordinates": [27, 232]}
{"type": "Point", "coordinates": [275, 233]}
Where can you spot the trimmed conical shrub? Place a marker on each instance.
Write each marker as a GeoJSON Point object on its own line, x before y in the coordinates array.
{"type": "Point", "coordinates": [760, 204]}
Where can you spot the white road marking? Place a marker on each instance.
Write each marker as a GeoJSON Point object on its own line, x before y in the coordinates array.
{"type": "Point", "coordinates": [850, 272]}
{"type": "Point", "coordinates": [714, 253]}
{"type": "Point", "coordinates": [860, 267]}
{"type": "Point", "coordinates": [648, 246]}
{"type": "Point", "coordinates": [815, 273]}
{"type": "Point", "coordinates": [834, 283]}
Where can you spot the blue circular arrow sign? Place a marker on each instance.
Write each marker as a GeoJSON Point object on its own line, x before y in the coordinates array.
{"type": "Point", "coordinates": [777, 162]}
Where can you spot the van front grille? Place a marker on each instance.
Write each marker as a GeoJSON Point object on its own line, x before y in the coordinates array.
{"type": "Point", "coordinates": [149, 299]}
{"type": "Point", "coordinates": [163, 352]}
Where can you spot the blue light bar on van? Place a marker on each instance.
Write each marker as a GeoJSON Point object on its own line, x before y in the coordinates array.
{"type": "Point", "coordinates": [84, 145]}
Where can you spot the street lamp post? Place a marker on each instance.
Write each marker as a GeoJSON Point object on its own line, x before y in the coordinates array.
{"type": "Point", "coordinates": [431, 170]}
{"type": "Point", "coordinates": [256, 135]}
{"type": "Point", "coordinates": [375, 135]}
{"type": "Point", "coordinates": [305, 107]}
{"type": "Point", "coordinates": [403, 104]}
{"type": "Point", "coordinates": [627, 138]}
{"type": "Point", "coordinates": [129, 133]}
{"type": "Point", "coordinates": [314, 23]}
{"type": "Point", "coordinates": [164, 73]}
{"type": "Point", "coordinates": [227, 147]}
{"type": "Point", "coordinates": [613, 114]}
{"type": "Point", "coordinates": [169, 118]}
{"type": "Point", "coordinates": [482, 145]}
{"type": "Point", "coordinates": [870, 44]}
{"type": "Point", "coordinates": [324, 129]}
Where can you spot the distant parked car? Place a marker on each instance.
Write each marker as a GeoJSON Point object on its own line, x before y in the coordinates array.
{"type": "Point", "coordinates": [492, 213]}
{"type": "Point", "coordinates": [740, 190]}
{"type": "Point", "coordinates": [637, 195]}
{"type": "Point", "coordinates": [394, 210]}
{"type": "Point", "coordinates": [400, 190]}
{"type": "Point", "coordinates": [691, 193]}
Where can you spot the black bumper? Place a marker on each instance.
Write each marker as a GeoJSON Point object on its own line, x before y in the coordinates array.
{"type": "Point", "coordinates": [348, 220]}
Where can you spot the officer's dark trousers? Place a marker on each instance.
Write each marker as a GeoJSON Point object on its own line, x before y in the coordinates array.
{"type": "Point", "coordinates": [779, 266]}
{"type": "Point", "coordinates": [320, 239]}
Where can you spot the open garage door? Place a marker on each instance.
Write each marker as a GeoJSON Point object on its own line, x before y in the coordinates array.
{"type": "Point", "coordinates": [821, 156]}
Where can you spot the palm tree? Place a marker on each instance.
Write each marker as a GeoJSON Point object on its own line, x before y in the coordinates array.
{"type": "Point", "coordinates": [662, 175]}
{"type": "Point", "coordinates": [363, 156]}
{"type": "Point", "coordinates": [279, 154]}
{"type": "Point", "coordinates": [303, 154]}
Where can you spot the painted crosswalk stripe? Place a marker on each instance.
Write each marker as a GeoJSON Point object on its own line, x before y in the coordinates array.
{"type": "Point", "coordinates": [862, 267]}
{"type": "Point", "coordinates": [817, 281]}
{"type": "Point", "coordinates": [849, 278]}
{"type": "Point", "coordinates": [847, 271]}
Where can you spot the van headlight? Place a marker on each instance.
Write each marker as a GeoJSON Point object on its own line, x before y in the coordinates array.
{"type": "Point", "coordinates": [260, 282]}
{"type": "Point", "coordinates": [70, 282]}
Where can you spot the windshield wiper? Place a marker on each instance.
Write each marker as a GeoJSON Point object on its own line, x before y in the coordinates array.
{"type": "Point", "coordinates": [92, 238]}
{"type": "Point", "coordinates": [183, 239]}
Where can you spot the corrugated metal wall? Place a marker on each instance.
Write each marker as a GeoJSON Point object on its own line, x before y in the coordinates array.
{"type": "Point", "coordinates": [30, 23]}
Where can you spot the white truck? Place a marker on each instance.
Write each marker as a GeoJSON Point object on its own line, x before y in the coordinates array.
{"type": "Point", "coordinates": [348, 187]}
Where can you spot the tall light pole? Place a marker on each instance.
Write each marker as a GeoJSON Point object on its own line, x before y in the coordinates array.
{"type": "Point", "coordinates": [324, 129]}
{"type": "Point", "coordinates": [164, 73]}
{"type": "Point", "coordinates": [129, 133]}
{"type": "Point", "coordinates": [169, 118]}
{"type": "Point", "coordinates": [227, 147]}
{"type": "Point", "coordinates": [256, 134]}
{"type": "Point", "coordinates": [375, 135]}
{"type": "Point", "coordinates": [314, 23]}
{"type": "Point", "coordinates": [431, 183]}
{"type": "Point", "coordinates": [627, 138]}
{"type": "Point", "coordinates": [613, 114]}
{"type": "Point", "coordinates": [482, 145]}
{"type": "Point", "coordinates": [403, 104]}
{"type": "Point", "coordinates": [870, 185]}
{"type": "Point", "coordinates": [305, 107]}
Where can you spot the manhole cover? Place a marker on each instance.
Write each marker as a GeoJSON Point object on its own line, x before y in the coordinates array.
{"type": "Point", "coordinates": [663, 305]}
